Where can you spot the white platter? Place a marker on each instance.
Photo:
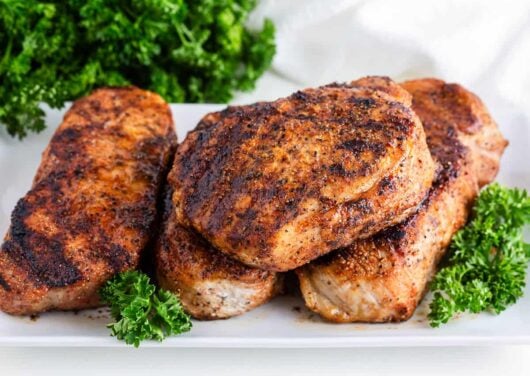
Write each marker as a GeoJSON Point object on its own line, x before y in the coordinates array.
{"type": "Point", "coordinates": [283, 322]}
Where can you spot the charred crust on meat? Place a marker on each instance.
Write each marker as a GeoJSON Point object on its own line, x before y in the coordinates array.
{"type": "Point", "coordinates": [393, 234]}
{"type": "Point", "coordinates": [364, 102]}
{"type": "Point", "coordinates": [388, 272]}
{"type": "Point", "coordinates": [463, 114]}
{"type": "Point", "coordinates": [301, 146]}
{"type": "Point", "coordinates": [4, 284]}
{"type": "Point", "coordinates": [66, 140]}
{"type": "Point", "coordinates": [301, 96]}
{"type": "Point", "coordinates": [444, 111]}
{"type": "Point", "coordinates": [184, 251]}
{"type": "Point", "coordinates": [362, 206]}
{"type": "Point", "coordinates": [373, 125]}
{"type": "Point", "coordinates": [357, 146]}
{"type": "Point", "coordinates": [338, 85]}
{"type": "Point", "coordinates": [338, 169]}
{"type": "Point", "coordinates": [47, 267]}
{"type": "Point", "coordinates": [386, 185]}
{"type": "Point", "coordinates": [93, 200]}
{"type": "Point", "coordinates": [118, 258]}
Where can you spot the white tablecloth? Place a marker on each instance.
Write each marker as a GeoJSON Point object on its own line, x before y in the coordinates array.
{"type": "Point", "coordinates": [484, 45]}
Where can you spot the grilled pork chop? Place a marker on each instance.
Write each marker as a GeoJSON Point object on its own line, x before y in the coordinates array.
{"type": "Point", "coordinates": [91, 207]}
{"type": "Point", "coordinates": [210, 284]}
{"type": "Point", "coordinates": [277, 184]}
{"type": "Point", "coordinates": [452, 104]}
{"type": "Point", "coordinates": [384, 277]}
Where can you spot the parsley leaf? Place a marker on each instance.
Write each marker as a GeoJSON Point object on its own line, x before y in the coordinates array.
{"type": "Point", "coordinates": [141, 311]}
{"type": "Point", "coordinates": [488, 258]}
{"type": "Point", "coordinates": [55, 51]}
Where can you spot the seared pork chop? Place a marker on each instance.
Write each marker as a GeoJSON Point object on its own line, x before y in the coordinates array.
{"type": "Point", "coordinates": [210, 284]}
{"type": "Point", "coordinates": [383, 278]}
{"type": "Point", "coordinates": [452, 104]}
{"type": "Point", "coordinates": [90, 210]}
{"type": "Point", "coordinates": [277, 184]}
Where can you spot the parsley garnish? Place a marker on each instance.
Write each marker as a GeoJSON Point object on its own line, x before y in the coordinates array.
{"type": "Point", "coordinates": [488, 258]}
{"type": "Point", "coordinates": [141, 311]}
{"type": "Point", "coordinates": [54, 51]}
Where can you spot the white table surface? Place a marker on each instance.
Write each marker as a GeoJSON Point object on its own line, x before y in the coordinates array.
{"type": "Point", "coordinates": [468, 361]}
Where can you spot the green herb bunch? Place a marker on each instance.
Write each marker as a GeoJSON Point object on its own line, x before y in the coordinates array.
{"type": "Point", "coordinates": [141, 311]}
{"type": "Point", "coordinates": [186, 50]}
{"type": "Point", "coordinates": [488, 258]}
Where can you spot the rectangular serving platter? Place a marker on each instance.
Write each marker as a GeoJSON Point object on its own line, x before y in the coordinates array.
{"type": "Point", "coordinates": [284, 322]}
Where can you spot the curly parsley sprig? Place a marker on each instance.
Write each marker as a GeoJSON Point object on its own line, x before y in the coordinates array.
{"type": "Point", "coordinates": [55, 51]}
{"type": "Point", "coordinates": [488, 258]}
{"type": "Point", "coordinates": [141, 311]}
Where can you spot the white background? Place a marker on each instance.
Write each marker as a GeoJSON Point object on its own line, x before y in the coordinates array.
{"type": "Point", "coordinates": [481, 44]}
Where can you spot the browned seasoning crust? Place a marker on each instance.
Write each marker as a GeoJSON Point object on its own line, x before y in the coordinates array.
{"type": "Point", "coordinates": [210, 284]}
{"type": "Point", "coordinates": [90, 210]}
{"type": "Point", "coordinates": [452, 104]}
{"type": "Point", "coordinates": [277, 184]}
{"type": "Point", "coordinates": [384, 277]}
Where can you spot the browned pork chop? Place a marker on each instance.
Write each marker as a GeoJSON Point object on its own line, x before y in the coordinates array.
{"type": "Point", "coordinates": [210, 284]}
{"type": "Point", "coordinates": [452, 104]}
{"type": "Point", "coordinates": [90, 210]}
{"type": "Point", "coordinates": [383, 278]}
{"type": "Point", "coordinates": [278, 184]}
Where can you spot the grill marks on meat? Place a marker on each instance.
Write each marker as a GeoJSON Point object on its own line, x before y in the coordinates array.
{"type": "Point", "coordinates": [277, 184]}
{"type": "Point", "coordinates": [273, 185]}
{"type": "Point", "coordinates": [92, 204]}
{"type": "Point", "coordinates": [383, 278]}
{"type": "Point", "coordinates": [210, 284]}
{"type": "Point", "coordinates": [469, 119]}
